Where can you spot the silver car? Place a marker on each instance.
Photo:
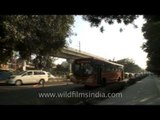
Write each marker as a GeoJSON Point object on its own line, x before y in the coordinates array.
{"type": "Point", "coordinates": [29, 76]}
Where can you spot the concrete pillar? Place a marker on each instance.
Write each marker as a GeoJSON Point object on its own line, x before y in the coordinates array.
{"type": "Point", "coordinates": [70, 61]}
{"type": "Point", "coordinates": [24, 65]}
{"type": "Point", "coordinates": [70, 67]}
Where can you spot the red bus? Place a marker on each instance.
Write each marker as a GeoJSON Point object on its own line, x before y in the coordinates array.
{"type": "Point", "coordinates": [95, 72]}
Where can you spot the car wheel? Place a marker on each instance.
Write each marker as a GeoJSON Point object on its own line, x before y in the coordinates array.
{"type": "Point", "coordinates": [18, 83]}
{"type": "Point", "coordinates": [41, 82]}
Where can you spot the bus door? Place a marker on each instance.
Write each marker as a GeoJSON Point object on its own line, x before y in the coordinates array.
{"type": "Point", "coordinates": [98, 74]}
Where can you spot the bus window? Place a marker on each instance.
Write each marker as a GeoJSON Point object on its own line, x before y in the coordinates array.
{"type": "Point", "coordinates": [108, 69]}
{"type": "Point", "coordinates": [89, 69]}
{"type": "Point", "coordinates": [83, 68]}
{"type": "Point", "coordinates": [77, 67]}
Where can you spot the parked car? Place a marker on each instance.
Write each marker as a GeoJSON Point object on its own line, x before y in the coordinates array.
{"type": "Point", "coordinates": [28, 77]}
{"type": "Point", "coordinates": [126, 75]}
{"type": "Point", "coordinates": [5, 75]}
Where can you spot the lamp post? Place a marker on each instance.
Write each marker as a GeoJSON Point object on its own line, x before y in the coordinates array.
{"type": "Point", "coordinates": [79, 46]}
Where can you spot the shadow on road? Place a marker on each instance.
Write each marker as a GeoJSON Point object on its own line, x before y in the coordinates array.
{"type": "Point", "coordinates": [5, 84]}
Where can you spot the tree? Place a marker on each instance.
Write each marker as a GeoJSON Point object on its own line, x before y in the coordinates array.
{"type": "Point", "coordinates": [151, 32]}
{"type": "Point", "coordinates": [42, 35]}
{"type": "Point", "coordinates": [95, 20]}
{"type": "Point", "coordinates": [129, 65]}
{"type": "Point", "coordinates": [43, 62]}
{"type": "Point", "coordinates": [65, 65]}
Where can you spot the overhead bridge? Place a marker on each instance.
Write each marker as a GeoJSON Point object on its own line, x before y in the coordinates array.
{"type": "Point", "coordinates": [71, 53]}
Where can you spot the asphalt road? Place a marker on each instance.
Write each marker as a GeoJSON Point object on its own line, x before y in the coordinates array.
{"type": "Point", "coordinates": [51, 94]}
{"type": "Point", "coordinates": [29, 94]}
{"type": "Point", "coordinates": [144, 92]}
{"type": "Point", "coordinates": [6, 87]}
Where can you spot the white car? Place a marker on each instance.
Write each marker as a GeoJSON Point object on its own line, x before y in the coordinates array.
{"type": "Point", "coordinates": [29, 76]}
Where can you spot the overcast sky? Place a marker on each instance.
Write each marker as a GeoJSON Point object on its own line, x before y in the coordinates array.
{"type": "Point", "coordinates": [111, 44]}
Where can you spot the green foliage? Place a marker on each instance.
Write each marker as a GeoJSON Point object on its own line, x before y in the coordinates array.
{"type": "Point", "coordinates": [95, 20]}
{"type": "Point", "coordinates": [33, 34]}
{"type": "Point", "coordinates": [64, 66]}
{"type": "Point", "coordinates": [43, 62]}
{"type": "Point", "coordinates": [151, 32]}
{"type": "Point", "coordinates": [129, 65]}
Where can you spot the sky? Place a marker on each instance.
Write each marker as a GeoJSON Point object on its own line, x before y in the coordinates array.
{"type": "Point", "coordinates": [111, 44]}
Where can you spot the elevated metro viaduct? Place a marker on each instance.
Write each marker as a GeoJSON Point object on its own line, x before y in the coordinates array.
{"type": "Point", "coordinates": [71, 54]}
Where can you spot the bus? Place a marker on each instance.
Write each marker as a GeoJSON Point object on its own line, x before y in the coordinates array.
{"type": "Point", "coordinates": [95, 72]}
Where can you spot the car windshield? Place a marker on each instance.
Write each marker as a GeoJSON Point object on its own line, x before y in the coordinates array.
{"type": "Point", "coordinates": [19, 72]}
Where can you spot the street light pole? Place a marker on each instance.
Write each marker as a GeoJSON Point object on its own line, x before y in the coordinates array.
{"type": "Point", "coordinates": [79, 46]}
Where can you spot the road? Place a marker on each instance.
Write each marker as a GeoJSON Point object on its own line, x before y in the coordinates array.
{"type": "Point", "coordinates": [32, 94]}
{"type": "Point", "coordinates": [29, 94]}
{"type": "Point", "coordinates": [4, 87]}
{"type": "Point", "coordinates": [144, 92]}
{"type": "Point", "coordinates": [51, 94]}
